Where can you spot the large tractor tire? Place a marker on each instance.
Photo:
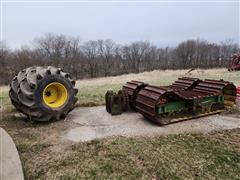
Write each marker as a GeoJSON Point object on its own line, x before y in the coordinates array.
{"type": "Point", "coordinates": [43, 94]}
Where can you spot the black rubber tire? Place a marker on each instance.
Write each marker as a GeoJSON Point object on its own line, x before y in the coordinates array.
{"type": "Point", "coordinates": [26, 91]}
{"type": "Point", "coordinates": [125, 100]}
{"type": "Point", "coordinates": [107, 100]}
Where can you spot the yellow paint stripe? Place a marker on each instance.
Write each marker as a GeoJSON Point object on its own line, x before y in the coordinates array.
{"type": "Point", "coordinates": [197, 116]}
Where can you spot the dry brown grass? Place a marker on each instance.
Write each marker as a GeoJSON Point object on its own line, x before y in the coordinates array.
{"type": "Point", "coordinates": [92, 91]}
{"type": "Point", "coordinates": [160, 77]}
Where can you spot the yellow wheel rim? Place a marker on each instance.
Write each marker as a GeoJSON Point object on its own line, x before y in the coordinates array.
{"type": "Point", "coordinates": [55, 95]}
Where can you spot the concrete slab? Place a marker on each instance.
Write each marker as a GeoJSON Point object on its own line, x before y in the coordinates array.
{"type": "Point", "coordinates": [95, 122]}
{"type": "Point", "coordinates": [10, 164]}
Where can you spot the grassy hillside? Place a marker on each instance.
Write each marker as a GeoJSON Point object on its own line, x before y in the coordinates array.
{"type": "Point", "coordinates": [92, 91]}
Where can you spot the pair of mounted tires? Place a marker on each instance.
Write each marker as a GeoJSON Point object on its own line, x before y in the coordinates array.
{"type": "Point", "coordinates": [116, 103]}
{"type": "Point", "coordinates": [43, 94]}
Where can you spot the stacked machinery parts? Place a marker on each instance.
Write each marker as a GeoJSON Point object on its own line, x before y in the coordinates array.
{"type": "Point", "coordinates": [186, 98]}
{"type": "Point", "coordinates": [235, 62]}
{"type": "Point", "coordinates": [43, 93]}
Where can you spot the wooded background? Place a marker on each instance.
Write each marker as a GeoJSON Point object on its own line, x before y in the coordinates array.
{"type": "Point", "coordinates": [106, 58]}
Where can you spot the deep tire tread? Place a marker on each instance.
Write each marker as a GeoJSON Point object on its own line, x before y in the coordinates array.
{"type": "Point", "coordinates": [23, 87]}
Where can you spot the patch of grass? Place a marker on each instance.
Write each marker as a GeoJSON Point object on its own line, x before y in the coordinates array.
{"type": "Point", "coordinates": [12, 121]}
{"type": "Point", "coordinates": [231, 138]}
{"type": "Point", "coordinates": [195, 156]}
{"type": "Point", "coordinates": [4, 98]}
{"type": "Point", "coordinates": [95, 95]}
{"type": "Point", "coordinates": [29, 147]}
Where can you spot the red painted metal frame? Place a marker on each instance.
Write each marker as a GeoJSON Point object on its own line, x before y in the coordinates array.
{"type": "Point", "coordinates": [238, 93]}
{"type": "Point", "coordinates": [234, 62]}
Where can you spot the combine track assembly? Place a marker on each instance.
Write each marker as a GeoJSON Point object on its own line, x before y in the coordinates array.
{"type": "Point", "coordinates": [186, 98]}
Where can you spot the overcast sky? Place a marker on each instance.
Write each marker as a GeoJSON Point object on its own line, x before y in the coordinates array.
{"type": "Point", "coordinates": [159, 22]}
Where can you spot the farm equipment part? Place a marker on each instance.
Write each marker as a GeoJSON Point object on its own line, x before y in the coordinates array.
{"type": "Point", "coordinates": [234, 62]}
{"type": "Point", "coordinates": [43, 93]}
{"type": "Point", "coordinates": [238, 97]}
{"type": "Point", "coordinates": [186, 98]}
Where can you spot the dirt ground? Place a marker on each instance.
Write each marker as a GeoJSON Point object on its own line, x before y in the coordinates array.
{"type": "Point", "coordinates": [95, 122]}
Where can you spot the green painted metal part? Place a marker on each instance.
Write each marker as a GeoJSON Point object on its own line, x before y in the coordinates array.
{"type": "Point", "coordinates": [212, 100]}
{"type": "Point", "coordinates": [184, 105]}
{"type": "Point", "coordinates": [174, 106]}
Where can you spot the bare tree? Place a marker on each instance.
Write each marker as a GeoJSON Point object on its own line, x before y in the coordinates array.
{"type": "Point", "coordinates": [185, 53]}
{"type": "Point", "coordinates": [165, 58]}
{"type": "Point", "coordinates": [91, 53]}
{"type": "Point", "coordinates": [4, 53]}
{"type": "Point", "coordinates": [105, 57]}
{"type": "Point", "coordinates": [61, 51]}
{"type": "Point", "coordinates": [134, 54]}
{"type": "Point", "coordinates": [227, 48]}
{"type": "Point", "coordinates": [107, 49]}
{"type": "Point", "coordinates": [5, 67]}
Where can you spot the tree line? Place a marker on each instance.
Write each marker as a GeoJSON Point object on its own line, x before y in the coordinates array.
{"type": "Point", "coordinates": [106, 58]}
